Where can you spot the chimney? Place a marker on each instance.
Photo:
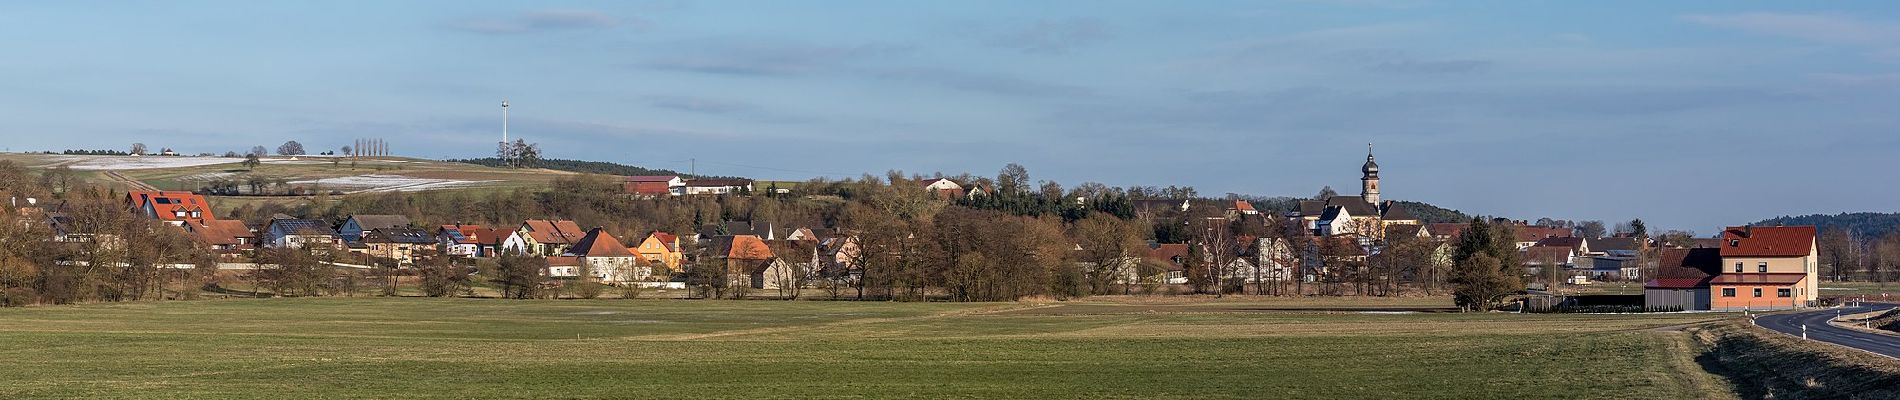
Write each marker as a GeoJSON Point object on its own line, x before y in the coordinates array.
{"type": "Point", "coordinates": [1748, 230]}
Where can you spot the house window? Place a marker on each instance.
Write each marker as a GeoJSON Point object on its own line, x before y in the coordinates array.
{"type": "Point", "coordinates": [1761, 267]}
{"type": "Point", "coordinates": [1757, 292]}
{"type": "Point", "coordinates": [1738, 268]}
{"type": "Point", "coordinates": [1734, 243]}
{"type": "Point", "coordinates": [1784, 292]}
{"type": "Point", "coordinates": [179, 214]}
{"type": "Point", "coordinates": [1728, 292]}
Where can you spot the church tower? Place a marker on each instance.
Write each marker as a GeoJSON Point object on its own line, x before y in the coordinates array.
{"type": "Point", "coordinates": [1369, 184]}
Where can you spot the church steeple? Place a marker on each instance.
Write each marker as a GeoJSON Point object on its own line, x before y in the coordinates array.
{"type": "Point", "coordinates": [1369, 184]}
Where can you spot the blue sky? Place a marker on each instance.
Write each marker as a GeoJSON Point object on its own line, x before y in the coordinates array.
{"type": "Point", "coordinates": [1687, 114]}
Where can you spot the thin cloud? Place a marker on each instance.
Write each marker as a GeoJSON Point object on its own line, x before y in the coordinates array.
{"type": "Point", "coordinates": [1440, 67]}
{"type": "Point", "coordinates": [979, 82]}
{"type": "Point", "coordinates": [1394, 61]}
{"type": "Point", "coordinates": [1825, 28]}
{"type": "Point", "coordinates": [542, 21]}
{"type": "Point", "coordinates": [1052, 36]}
{"type": "Point", "coordinates": [721, 107]}
{"type": "Point", "coordinates": [760, 58]}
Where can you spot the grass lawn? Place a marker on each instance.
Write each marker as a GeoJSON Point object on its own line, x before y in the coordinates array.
{"type": "Point", "coordinates": [464, 348]}
{"type": "Point", "coordinates": [1859, 288]}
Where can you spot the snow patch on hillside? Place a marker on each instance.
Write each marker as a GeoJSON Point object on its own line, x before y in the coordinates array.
{"type": "Point", "coordinates": [119, 163]}
{"type": "Point", "coordinates": [389, 183]}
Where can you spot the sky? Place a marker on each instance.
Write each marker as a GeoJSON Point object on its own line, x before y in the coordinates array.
{"type": "Point", "coordinates": [1690, 115]}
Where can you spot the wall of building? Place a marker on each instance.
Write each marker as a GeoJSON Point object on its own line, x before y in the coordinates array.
{"type": "Point", "coordinates": [612, 269]}
{"type": "Point", "coordinates": [1787, 265]}
{"type": "Point", "coordinates": [1745, 299]}
{"type": "Point", "coordinates": [1686, 299]}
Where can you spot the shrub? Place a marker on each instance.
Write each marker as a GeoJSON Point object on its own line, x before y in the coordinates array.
{"type": "Point", "coordinates": [16, 297]}
{"type": "Point", "coordinates": [588, 290]}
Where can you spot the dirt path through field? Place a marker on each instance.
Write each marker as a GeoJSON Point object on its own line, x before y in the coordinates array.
{"type": "Point", "coordinates": [133, 184]}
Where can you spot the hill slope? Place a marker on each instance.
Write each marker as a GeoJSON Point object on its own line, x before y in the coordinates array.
{"type": "Point", "coordinates": [585, 167]}
{"type": "Point", "coordinates": [279, 175]}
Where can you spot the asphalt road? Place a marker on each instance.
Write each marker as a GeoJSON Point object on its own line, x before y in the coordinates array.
{"type": "Point", "coordinates": [1818, 329]}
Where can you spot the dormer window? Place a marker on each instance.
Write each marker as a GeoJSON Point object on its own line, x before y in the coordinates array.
{"type": "Point", "coordinates": [179, 214]}
{"type": "Point", "coordinates": [1734, 243]}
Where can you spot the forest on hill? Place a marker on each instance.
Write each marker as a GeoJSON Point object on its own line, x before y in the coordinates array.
{"type": "Point", "coordinates": [1860, 224]}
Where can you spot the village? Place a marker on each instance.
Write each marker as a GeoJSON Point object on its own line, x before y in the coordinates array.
{"type": "Point", "coordinates": [1336, 245]}
{"type": "Point", "coordinates": [1281, 199]}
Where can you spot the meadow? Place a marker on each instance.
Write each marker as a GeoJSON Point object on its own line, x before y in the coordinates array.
{"type": "Point", "coordinates": [1110, 348]}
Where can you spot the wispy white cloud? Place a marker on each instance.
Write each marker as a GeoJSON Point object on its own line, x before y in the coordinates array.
{"type": "Point", "coordinates": [1877, 37]}
{"type": "Point", "coordinates": [543, 21]}
{"type": "Point", "coordinates": [765, 57]}
{"type": "Point", "coordinates": [1825, 28]}
{"type": "Point", "coordinates": [1052, 36]}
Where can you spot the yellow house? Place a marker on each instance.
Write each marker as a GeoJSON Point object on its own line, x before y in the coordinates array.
{"type": "Point", "coordinates": [663, 247]}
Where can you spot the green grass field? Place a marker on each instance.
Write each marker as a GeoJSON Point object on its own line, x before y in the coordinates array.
{"type": "Point", "coordinates": [468, 348]}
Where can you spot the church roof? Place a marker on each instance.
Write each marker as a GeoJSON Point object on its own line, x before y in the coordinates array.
{"type": "Point", "coordinates": [1396, 212]}
{"type": "Point", "coordinates": [1354, 205]}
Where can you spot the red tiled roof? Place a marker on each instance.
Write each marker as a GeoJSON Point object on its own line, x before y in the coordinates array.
{"type": "Point", "coordinates": [749, 247]}
{"type": "Point", "coordinates": [1452, 230]}
{"type": "Point", "coordinates": [554, 232]}
{"type": "Point", "coordinates": [560, 261]}
{"type": "Point", "coordinates": [165, 204]}
{"type": "Point", "coordinates": [1536, 233]}
{"type": "Point", "coordinates": [1759, 279]}
{"type": "Point", "coordinates": [472, 234]}
{"type": "Point", "coordinates": [671, 241]}
{"type": "Point", "coordinates": [1542, 254]}
{"type": "Point", "coordinates": [599, 243]}
{"type": "Point", "coordinates": [1689, 263]}
{"type": "Point", "coordinates": [219, 231]}
{"type": "Point", "coordinates": [1767, 241]}
{"type": "Point", "coordinates": [1243, 205]}
{"type": "Point", "coordinates": [653, 188]}
{"type": "Point", "coordinates": [1171, 255]}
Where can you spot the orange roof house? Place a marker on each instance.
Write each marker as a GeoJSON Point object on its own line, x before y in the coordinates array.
{"type": "Point", "coordinates": [599, 243]}
{"type": "Point", "coordinates": [661, 247]}
{"type": "Point", "coordinates": [224, 236]}
{"type": "Point", "coordinates": [1766, 267]}
{"type": "Point", "coordinates": [659, 185]}
{"type": "Point", "coordinates": [741, 253]}
{"type": "Point", "coordinates": [550, 237]}
{"type": "Point", "coordinates": [170, 206]}
{"type": "Point", "coordinates": [747, 247]}
{"type": "Point", "coordinates": [607, 259]}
